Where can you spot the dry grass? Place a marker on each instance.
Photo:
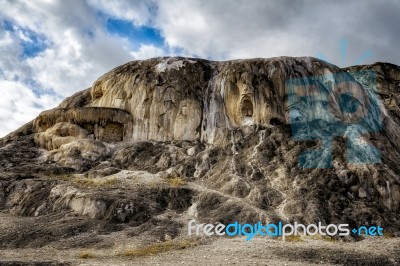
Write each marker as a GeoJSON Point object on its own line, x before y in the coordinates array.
{"type": "Point", "coordinates": [176, 181]}
{"type": "Point", "coordinates": [293, 238]}
{"type": "Point", "coordinates": [324, 238]}
{"type": "Point", "coordinates": [388, 235]}
{"type": "Point", "coordinates": [157, 248]}
{"type": "Point", "coordinates": [84, 254]}
{"type": "Point", "coordinates": [330, 239]}
{"type": "Point", "coordinates": [66, 177]}
{"type": "Point", "coordinates": [95, 182]}
{"type": "Point", "coordinates": [85, 181]}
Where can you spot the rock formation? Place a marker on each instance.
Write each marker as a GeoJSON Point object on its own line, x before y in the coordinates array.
{"type": "Point", "coordinates": [59, 126]}
{"type": "Point", "coordinates": [293, 139]}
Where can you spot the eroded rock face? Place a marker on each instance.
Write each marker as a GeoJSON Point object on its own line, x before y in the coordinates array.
{"type": "Point", "coordinates": [216, 142]}
{"type": "Point", "coordinates": [164, 96]}
{"type": "Point", "coordinates": [192, 99]}
{"type": "Point", "coordinates": [104, 124]}
{"type": "Point", "coordinates": [167, 99]}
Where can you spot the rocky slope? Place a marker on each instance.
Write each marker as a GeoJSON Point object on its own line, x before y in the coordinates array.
{"type": "Point", "coordinates": [157, 142]}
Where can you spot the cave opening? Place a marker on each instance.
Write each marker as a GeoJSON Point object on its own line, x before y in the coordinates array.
{"type": "Point", "coordinates": [275, 121]}
{"type": "Point", "coordinates": [247, 112]}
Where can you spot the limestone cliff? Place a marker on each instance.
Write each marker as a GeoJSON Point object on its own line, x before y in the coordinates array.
{"type": "Point", "coordinates": [192, 99]}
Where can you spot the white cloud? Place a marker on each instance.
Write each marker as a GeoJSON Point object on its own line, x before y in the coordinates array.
{"type": "Point", "coordinates": [137, 11]}
{"type": "Point", "coordinates": [18, 105]}
{"type": "Point", "coordinates": [78, 52]}
{"type": "Point", "coordinates": [10, 51]}
{"type": "Point", "coordinates": [147, 51]}
{"type": "Point", "coordinates": [228, 29]}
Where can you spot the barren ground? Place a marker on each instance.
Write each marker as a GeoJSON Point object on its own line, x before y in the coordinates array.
{"type": "Point", "coordinates": [223, 251]}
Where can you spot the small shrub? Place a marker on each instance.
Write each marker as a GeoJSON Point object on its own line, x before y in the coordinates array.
{"type": "Point", "coordinates": [293, 238]}
{"type": "Point", "coordinates": [96, 182]}
{"type": "Point", "coordinates": [174, 179]}
{"type": "Point", "coordinates": [66, 177]}
{"type": "Point", "coordinates": [324, 238]}
{"type": "Point", "coordinates": [158, 248]}
{"type": "Point", "coordinates": [388, 235]}
{"type": "Point", "coordinates": [84, 254]}
{"type": "Point", "coordinates": [177, 182]}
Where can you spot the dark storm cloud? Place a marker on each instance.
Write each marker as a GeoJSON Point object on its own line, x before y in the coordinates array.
{"type": "Point", "coordinates": [234, 29]}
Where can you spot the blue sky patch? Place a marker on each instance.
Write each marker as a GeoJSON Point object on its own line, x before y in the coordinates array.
{"type": "Point", "coordinates": [35, 46]}
{"type": "Point", "coordinates": [31, 42]}
{"type": "Point", "coordinates": [137, 35]}
{"type": "Point", "coordinates": [38, 89]}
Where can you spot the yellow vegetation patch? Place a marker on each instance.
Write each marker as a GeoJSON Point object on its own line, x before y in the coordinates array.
{"type": "Point", "coordinates": [84, 254]}
{"type": "Point", "coordinates": [388, 235]}
{"type": "Point", "coordinates": [293, 238]}
{"type": "Point", "coordinates": [95, 182]}
{"type": "Point", "coordinates": [177, 182]}
{"type": "Point", "coordinates": [174, 179]}
{"type": "Point", "coordinates": [158, 248]}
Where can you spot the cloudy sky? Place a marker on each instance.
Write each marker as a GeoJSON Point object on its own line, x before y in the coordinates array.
{"type": "Point", "coordinates": [51, 49]}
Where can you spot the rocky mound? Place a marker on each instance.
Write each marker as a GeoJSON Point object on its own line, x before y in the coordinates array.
{"type": "Point", "coordinates": [155, 143]}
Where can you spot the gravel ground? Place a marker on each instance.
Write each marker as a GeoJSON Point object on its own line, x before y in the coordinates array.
{"type": "Point", "coordinates": [227, 251]}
